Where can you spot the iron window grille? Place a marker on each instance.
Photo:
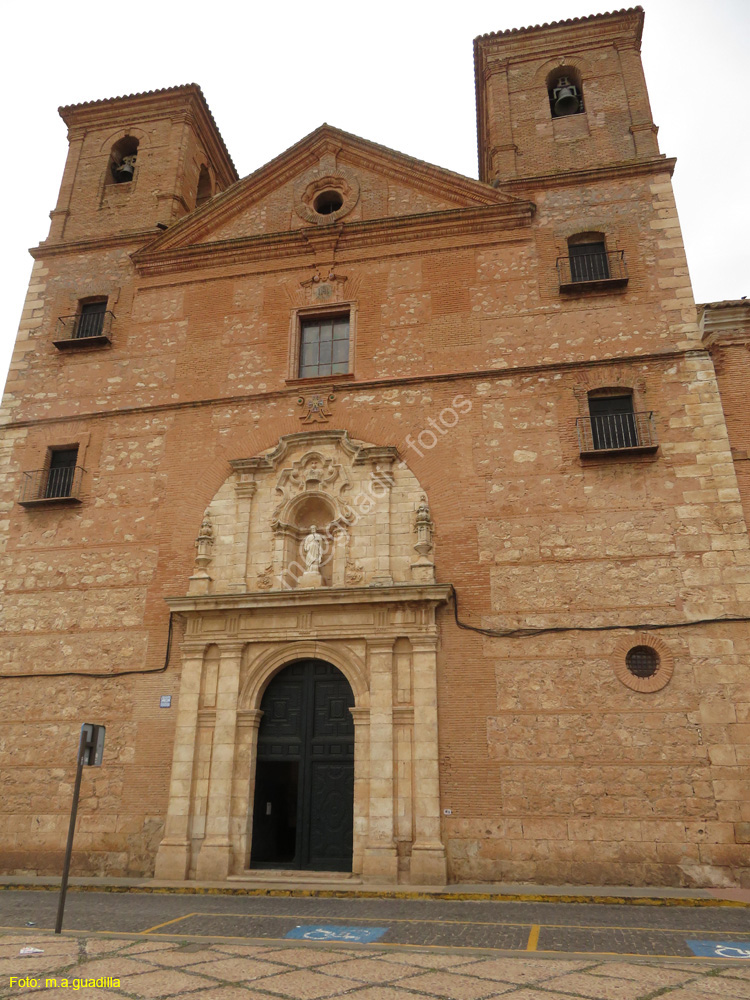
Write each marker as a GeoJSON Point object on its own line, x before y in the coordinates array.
{"type": "Point", "coordinates": [612, 432]}
{"type": "Point", "coordinates": [591, 266]}
{"type": "Point", "coordinates": [88, 328]}
{"type": "Point", "coordinates": [58, 482]}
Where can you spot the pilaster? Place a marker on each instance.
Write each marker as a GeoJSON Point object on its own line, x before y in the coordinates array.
{"type": "Point", "coordinates": [173, 857]}
{"type": "Point", "coordinates": [215, 858]}
{"type": "Point", "coordinates": [380, 858]}
{"type": "Point", "coordinates": [428, 861]}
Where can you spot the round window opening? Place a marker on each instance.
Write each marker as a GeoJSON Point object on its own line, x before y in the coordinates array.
{"type": "Point", "coordinates": [328, 202]}
{"type": "Point", "coordinates": [642, 661]}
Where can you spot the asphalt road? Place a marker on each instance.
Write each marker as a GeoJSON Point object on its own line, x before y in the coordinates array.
{"type": "Point", "coordinates": [551, 928]}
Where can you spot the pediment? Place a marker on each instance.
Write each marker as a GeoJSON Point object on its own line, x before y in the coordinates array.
{"type": "Point", "coordinates": [329, 180]}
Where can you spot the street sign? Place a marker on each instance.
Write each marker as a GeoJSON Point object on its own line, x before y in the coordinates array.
{"type": "Point", "coordinates": [720, 949]}
{"type": "Point", "coordinates": [90, 754]}
{"type": "Point", "coordinates": [93, 744]}
{"type": "Point", "coordinates": [330, 932]}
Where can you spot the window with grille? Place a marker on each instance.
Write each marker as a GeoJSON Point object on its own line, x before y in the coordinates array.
{"type": "Point", "coordinates": [588, 261]}
{"type": "Point", "coordinates": [61, 472]}
{"type": "Point", "coordinates": [613, 423]}
{"type": "Point", "coordinates": [91, 319]}
{"type": "Point", "coordinates": [642, 661]}
{"type": "Point", "coordinates": [324, 346]}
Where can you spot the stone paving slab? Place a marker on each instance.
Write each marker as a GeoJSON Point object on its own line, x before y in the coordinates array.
{"type": "Point", "coordinates": [222, 970]}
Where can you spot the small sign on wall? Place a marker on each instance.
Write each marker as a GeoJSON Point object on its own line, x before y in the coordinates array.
{"type": "Point", "coordinates": [165, 701]}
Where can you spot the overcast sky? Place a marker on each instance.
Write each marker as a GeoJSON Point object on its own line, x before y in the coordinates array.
{"type": "Point", "coordinates": [398, 73]}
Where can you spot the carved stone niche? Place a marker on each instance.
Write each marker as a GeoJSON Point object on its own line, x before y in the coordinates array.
{"type": "Point", "coordinates": [358, 496]}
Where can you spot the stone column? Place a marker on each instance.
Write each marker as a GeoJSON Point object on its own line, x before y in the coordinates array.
{"type": "Point", "coordinates": [241, 830]}
{"type": "Point", "coordinates": [361, 717]}
{"type": "Point", "coordinates": [380, 861]}
{"type": "Point", "coordinates": [215, 858]}
{"type": "Point", "coordinates": [173, 857]}
{"type": "Point", "coordinates": [428, 862]}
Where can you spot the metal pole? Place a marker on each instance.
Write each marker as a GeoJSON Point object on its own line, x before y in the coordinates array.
{"type": "Point", "coordinates": [71, 831]}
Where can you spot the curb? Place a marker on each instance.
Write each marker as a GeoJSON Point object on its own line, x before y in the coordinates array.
{"type": "Point", "coordinates": [537, 897]}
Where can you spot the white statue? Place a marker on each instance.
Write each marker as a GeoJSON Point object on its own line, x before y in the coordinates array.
{"type": "Point", "coordinates": [312, 548]}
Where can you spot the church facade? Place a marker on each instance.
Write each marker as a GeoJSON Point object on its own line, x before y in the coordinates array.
{"type": "Point", "coordinates": [393, 522]}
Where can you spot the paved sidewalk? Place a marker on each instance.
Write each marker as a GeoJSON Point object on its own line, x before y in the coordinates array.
{"type": "Point", "coordinates": [153, 969]}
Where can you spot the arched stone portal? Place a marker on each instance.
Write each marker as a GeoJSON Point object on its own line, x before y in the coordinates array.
{"type": "Point", "coordinates": [373, 619]}
{"type": "Point", "coordinates": [303, 806]}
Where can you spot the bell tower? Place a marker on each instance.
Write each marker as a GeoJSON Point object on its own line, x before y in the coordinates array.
{"type": "Point", "coordinates": [562, 96]}
{"type": "Point", "coordinates": [138, 162]}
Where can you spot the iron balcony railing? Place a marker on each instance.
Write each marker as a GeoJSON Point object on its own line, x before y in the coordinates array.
{"type": "Point", "coordinates": [84, 329]}
{"type": "Point", "coordinates": [617, 432]}
{"type": "Point", "coordinates": [587, 270]}
{"type": "Point", "coordinates": [48, 485]}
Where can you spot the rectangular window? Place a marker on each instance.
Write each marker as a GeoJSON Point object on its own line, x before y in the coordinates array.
{"type": "Point", "coordinates": [324, 346]}
{"type": "Point", "coordinates": [613, 422]}
{"type": "Point", "coordinates": [91, 319]}
{"type": "Point", "coordinates": [588, 262]}
{"type": "Point", "coordinates": [61, 472]}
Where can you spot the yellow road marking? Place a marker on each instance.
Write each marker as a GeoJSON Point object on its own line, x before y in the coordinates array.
{"type": "Point", "coordinates": [533, 938]}
{"type": "Point", "coordinates": [168, 922]}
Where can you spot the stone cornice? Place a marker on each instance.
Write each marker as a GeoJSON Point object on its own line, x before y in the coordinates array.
{"type": "Point", "coordinates": [367, 384]}
{"type": "Point", "coordinates": [77, 247]}
{"type": "Point", "coordinates": [617, 20]}
{"type": "Point", "coordinates": [481, 222]}
{"type": "Point", "coordinates": [576, 178]}
{"type": "Point", "coordinates": [725, 323]}
{"type": "Point", "coordinates": [339, 597]}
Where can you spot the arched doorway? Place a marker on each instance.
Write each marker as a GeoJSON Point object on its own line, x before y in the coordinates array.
{"type": "Point", "coordinates": [304, 779]}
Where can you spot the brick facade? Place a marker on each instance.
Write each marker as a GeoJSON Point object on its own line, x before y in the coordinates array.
{"type": "Point", "coordinates": [458, 448]}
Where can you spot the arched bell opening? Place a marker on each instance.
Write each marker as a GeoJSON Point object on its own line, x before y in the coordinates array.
{"type": "Point", "coordinates": [565, 92]}
{"type": "Point", "coordinates": [122, 161]}
{"type": "Point", "coordinates": [205, 187]}
{"type": "Point", "coordinates": [303, 802]}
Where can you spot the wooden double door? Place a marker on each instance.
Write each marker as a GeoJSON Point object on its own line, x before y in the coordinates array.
{"type": "Point", "coordinates": [304, 780]}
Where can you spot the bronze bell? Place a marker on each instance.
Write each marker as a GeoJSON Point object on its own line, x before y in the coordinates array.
{"type": "Point", "coordinates": [565, 98]}
{"type": "Point", "coordinates": [124, 172]}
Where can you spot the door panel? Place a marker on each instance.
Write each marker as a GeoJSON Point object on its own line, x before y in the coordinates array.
{"type": "Point", "coordinates": [304, 795]}
{"type": "Point", "coordinates": [331, 816]}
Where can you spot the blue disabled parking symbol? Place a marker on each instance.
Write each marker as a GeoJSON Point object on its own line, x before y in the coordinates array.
{"type": "Point", "coordinates": [720, 949]}
{"type": "Point", "coordinates": [329, 932]}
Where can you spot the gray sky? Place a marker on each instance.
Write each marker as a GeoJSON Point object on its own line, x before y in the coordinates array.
{"type": "Point", "coordinates": [398, 72]}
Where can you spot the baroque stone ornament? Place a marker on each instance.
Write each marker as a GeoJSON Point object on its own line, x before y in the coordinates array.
{"type": "Point", "coordinates": [316, 408]}
{"type": "Point", "coordinates": [200, 580]}
{"type": "Point", "coordinates": [423, 568]}
{"type": "Point", "coordinates": [423, 528]}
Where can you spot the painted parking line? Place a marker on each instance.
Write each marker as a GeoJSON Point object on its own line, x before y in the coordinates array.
{"type": "Point", "coordinates": [176, 920]}
{"type": "Point", "coordinates": [531, 944]}
{"type": "Point", "coordinates": [329, 932]}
